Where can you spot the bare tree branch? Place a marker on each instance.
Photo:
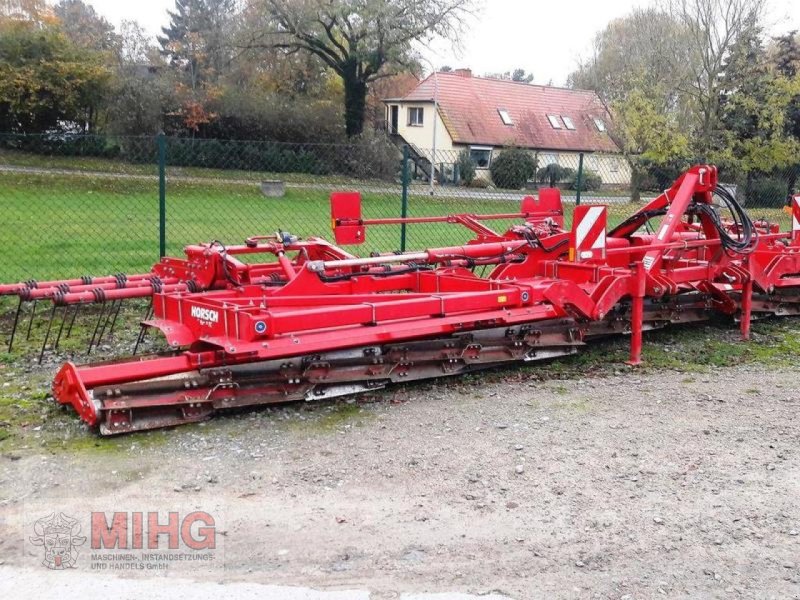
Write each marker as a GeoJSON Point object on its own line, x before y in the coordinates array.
{"type": "Point", "coordinates": [360, 40]}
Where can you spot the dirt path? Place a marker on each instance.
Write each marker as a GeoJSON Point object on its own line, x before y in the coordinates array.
{"type": "Point", "coordinates": [364, 187]}
{"type": "Point", "coordinates": [631, 486]}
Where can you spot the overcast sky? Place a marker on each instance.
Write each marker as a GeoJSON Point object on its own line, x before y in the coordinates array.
{"type": "Point", "coordinates": [544, 38]}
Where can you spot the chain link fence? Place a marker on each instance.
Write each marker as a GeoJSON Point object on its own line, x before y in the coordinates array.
{"type": "Point", "coordinates": [77, 205]}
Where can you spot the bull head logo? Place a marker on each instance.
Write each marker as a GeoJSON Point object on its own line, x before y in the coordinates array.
{"type": "Point", "coordinates": [58, 533]}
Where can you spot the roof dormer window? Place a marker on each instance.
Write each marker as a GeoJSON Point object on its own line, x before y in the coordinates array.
{"type": "Point", "coordinates": [568, 123]}
{"type": "Point", "coordinates": [554, 121]}
{"type": "Point", "coordinates": [506, 118]}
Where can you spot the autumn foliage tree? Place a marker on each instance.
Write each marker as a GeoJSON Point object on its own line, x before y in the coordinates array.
{"type": "Point", "coordinates": [46, 80]}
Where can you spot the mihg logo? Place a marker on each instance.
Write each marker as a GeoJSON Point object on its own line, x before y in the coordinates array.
{"type": "Point", "coordinates": [126, 540]}
{"type": "Point", "coordinates": [58, 534]}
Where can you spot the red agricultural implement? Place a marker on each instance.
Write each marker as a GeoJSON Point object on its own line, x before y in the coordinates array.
{"type": "Point", "coordinates": [316, 322]}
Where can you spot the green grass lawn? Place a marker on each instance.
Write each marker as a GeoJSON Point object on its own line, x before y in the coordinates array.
{"type": "Point", "coordinates": [61, 225]}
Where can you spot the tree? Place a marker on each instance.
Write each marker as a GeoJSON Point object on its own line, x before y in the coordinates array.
{"type": "Point", "coordinates": [359, 40]}
{"type": "Point", "coordinates": [753, 108]}
{"type": "Point", "coordinates": [466, 167]}
{"type": "Point", "coordinates": [786, 59]}
{"type": "Point", "coordinates": [513, 167]}
{"type": "Point", "coordinates": [787, 63]}
{"type": "Point", "coordinates": [518, 75]}
{"type": "Point", "coordinates": [31, 11]}
{"type": "Point", "coordinates": [554, 173]}
{"type": "Point", "coordinates": [787, 54]}
{"type": "Point", "coordinates": [46, 81]}
{"type": "Point", "coordinates": [521, 76]}
{"type": "Point", "coordinates": [638, 65]}
{"type": "Point", "coordinates": [644, 51]}
{"type": "Point", "coordinates": [85, 27]}
{"type": "Point", "coordinates": [194, 40]}
{"type": "Point", "coordinates": [194, 43]}
{"type": "Point", "coordinates": [142, 87]}
{"type": "Point", "coordinates": [713, 28]}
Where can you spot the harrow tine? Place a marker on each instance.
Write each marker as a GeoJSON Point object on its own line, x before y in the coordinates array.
{"type": "Point", "coordinates": [14, 328]}
{"type": "Point", "coordinates": [114, 320]}
{"type": "Point", "coordinates": [30, 323]}
{"type": "Point", "coordinates": [139, 338]}
{"type": "Point", "coordinates": [142, 329]}
{"type": "Point", "coordinates": [72, 322]}
{"type": "Point", "coordinates": [47, 335]}
{"type": "Point", "coordinates": [64, 315]}
{"type": "Point", "coordinates": [105, 323]}
{"type": "Point", "coordinates": [96, 328]}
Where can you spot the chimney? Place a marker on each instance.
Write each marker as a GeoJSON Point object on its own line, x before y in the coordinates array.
{"type": "Point", "coordinates": [463, 72]}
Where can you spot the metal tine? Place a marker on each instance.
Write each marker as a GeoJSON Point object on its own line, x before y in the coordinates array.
{"type": "Point", "coordinates": [142, 329]}
{"type": "Point", "coordinates": [114, 320]}
{"type": "Point", "coordinates": [14, 328]}
{"type": "Point", "coordinates": [109, 314]}
{"type": "Point", "coordinates": [96, 328]}
{"type": "Point", "coordinates": [64, 315]}
{"type": "Point", "coordinates": [30, 323]}
{"type": "Point", "coordinates": [72, 322]}
{"type": "Point", "coordinates": [150, 311]}
{"type": "Point", "coordinates": [139, 338]}
{"type": "Point", "coordinates": [47, 335]}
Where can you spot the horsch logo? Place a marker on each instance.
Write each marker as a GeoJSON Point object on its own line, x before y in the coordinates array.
{"type": "Point", "coordinates": [205, 315]}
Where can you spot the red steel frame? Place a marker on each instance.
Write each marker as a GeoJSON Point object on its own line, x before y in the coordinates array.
{"type": "Point", "coordinates": [315, 299]}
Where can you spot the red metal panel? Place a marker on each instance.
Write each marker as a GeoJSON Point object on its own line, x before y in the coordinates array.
{"type": "Point", "coordinates": [346, 218]}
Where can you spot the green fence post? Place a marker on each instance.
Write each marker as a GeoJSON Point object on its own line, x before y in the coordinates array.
{"type": "Point", "coordinates": [162, 194]}
{"type": "Point", "coordinates": [579, 180]}
{"type": "Point", "coordinates": [404, 205]}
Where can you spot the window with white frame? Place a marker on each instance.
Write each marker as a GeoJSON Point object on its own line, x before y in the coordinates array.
{"type": "Point", "coordinates": [554, 121]}
{"type": "Point", "coordinates": [568, 123]}
{"type": "Point", "coordinates": [416, 116]}
{"type": "Point", "coordinates": [506, 118]}
{"type": "Point", "coordinates": [600, 124]}
{"type": "Point", "coordinates": [481, 156]}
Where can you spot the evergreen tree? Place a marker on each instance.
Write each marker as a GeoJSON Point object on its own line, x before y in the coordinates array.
{"type": "Point", "coordinates": [787, 55]}
{"type": "Point", "coordinates": [194, 39]}
{"type": "Point", "coordinates": [753, 104]}
{"type": "Point", "coordinates": [744, 83]}
{"type": "Point", "coordinates": [787, 63]}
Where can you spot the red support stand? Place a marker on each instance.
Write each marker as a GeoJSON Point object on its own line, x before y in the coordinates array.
{"type": "Point", "coordinates": [637, 313]}
{"type": "Point", "coordinates": [747, 300]}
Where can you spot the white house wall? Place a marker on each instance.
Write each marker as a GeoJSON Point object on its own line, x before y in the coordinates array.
{"type": "Point", "coordinates": [613, 169]}
{"type": "Point", "coordinates": [421, 136]}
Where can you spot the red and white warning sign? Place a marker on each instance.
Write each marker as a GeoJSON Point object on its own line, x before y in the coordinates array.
{"type": "Point", "coordinates": [588, 240]}
{"type": "Point", "coordinates": [796, 218]}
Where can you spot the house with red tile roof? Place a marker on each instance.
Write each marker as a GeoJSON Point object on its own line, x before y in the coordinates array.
{"type": "Point", "coordinates": [484, 115]}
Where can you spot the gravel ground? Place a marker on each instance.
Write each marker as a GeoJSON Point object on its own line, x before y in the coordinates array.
{"type": "Point", "coordinates": [634, 485]}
